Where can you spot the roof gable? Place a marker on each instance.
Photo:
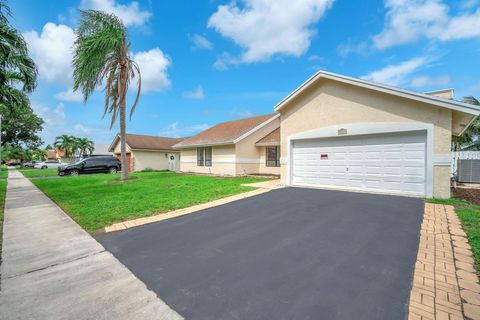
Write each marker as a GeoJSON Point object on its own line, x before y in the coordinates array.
{"type": "Point", "coordinates": [417, 96]}
{"type": "Point", "coordinates": [227, 132]}
{"type": "Point", "coordinates": [142, 142]}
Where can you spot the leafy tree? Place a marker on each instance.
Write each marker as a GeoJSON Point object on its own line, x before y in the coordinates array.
{"type": "Point", "coordinates": [20, 126]}
{"type": "Point", "coordinates": [101, 52]}
{"type": "Point", "coordinates": [13, 152]}
{"type": "Point", "coordinates": [471, 136]}
{"type": "Point", "coordinates": [66, 143]}
{"type": "Point", "coordinates": [39, 154]}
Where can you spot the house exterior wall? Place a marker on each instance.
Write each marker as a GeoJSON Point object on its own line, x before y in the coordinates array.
{"type": "Point", "coordinates": [263, 163]}
{"type": "Point", "coordinates": [156, 160]}
{"type": "Point", "coordinates": [248, 155]}
{"type": "Point", "coordinates": [223, 161]}
{"type": "Point", "coordinates": [329, 103]}
{"type": "Point", "coordinates": [117, 150]}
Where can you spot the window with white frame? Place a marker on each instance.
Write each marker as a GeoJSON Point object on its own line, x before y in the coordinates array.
{"type": "Point", "coordinates": [204, 156]}
{"type": "Point", "coordinates": [273, 156]}
{"type": "Point", "coordinates": [200, 157]}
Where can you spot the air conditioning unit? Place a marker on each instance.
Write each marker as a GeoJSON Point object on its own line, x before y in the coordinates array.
{"type": "Point", "coordinates": [468, 170]}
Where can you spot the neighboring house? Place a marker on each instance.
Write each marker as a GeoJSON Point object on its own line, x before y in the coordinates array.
{"type": "Point", "coordinates": [148, 152]}
{"type": "Point", "coordinates": [100, 149]}
{"type": "Point", "coordinates": [55, 154]}
{"type": "Point", "coordinates": [239, 147]}
{"type": "Point", "coordinates": [351, 134]}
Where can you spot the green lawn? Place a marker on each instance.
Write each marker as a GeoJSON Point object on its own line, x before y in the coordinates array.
{"type": "Point", "coordinates": [96, 201]}
{"type": "Point", "coordinates": [33, 173]}
{"type": "Point", "coordinates": [3, 173]}
{"type": "Point", "coordinates": [469, 215]}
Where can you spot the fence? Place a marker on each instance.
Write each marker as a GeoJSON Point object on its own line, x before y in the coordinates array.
{"type": "Point", "coordinates": [463, 155]}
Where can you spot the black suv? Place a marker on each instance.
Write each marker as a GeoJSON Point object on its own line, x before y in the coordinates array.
{"type": "Point", "coordinates": [106, 164]}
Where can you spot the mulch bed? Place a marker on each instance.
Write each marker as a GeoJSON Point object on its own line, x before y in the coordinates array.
{"type": "Point", "coordinates": [471, 195]}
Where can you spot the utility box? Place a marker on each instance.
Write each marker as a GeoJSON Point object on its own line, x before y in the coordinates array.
{"type": "Point", "coordinates": [468, 170]}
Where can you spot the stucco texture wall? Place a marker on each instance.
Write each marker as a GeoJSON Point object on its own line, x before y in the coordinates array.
{"type": "Point", "coordinates": [328, 103]}
{"type": "Point", "coordinates": [223, 161]}
{"type": "Point", "coordinates": [155, 160]}
{"type": "Point", "coordinates": [239, 159]}
{"type": "Point", "coordinates": [249, 156]}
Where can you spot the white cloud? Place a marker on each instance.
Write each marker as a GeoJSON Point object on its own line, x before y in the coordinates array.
{"type": "Point", "coordinates": [175, 130]}
{"type": "Point", "coordinates": [427, 81]}
{"type": "Point", "coordinates": [195, 94]}
{"type": "Point", "coordinates": [410, 20]}
{"type": "Point", "coordinates": [200, 42]}
{"type": "Point", "coordinates": [52, 51]}
{"type": "Point", "coordinates": [130, 14]}
{"type": "Point", "coordinates": [69, 95]}
{"type": "Point", "coordinates": [53, 117]}
{"type": "Point", "coordinates": [153, 67]}
{"type": "Point", "coordinates": [397, 74]}
{"type": "Point", "coordinates": [236, 113]}
{"type": "Point", "coordinates": [264, 28]}
{"type": "Point", "coordinates": [222, 63]}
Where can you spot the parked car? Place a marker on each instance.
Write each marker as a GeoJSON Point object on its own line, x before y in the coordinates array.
{"type": "Point", "coordinates": [14, 163]}
{"type": "Point", "coordinates": [49, 164]}
{"type": "Point", "coordinates": [106, 164]}
{"type": "Point", "coordinates": [30, 164]}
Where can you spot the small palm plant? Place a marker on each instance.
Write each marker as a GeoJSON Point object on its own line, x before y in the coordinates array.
{"type": "Point", "coordinates": [101, 52]}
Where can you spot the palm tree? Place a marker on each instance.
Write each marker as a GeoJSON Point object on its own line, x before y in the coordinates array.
{"type": "Point", "coordinates": [17, 69]}
{"type": "Point", "coordinates": [101, 52]}
{"type": "Point", "coordinates": [471, 136]}
{"type": "Point", "coordinates": [85, 145]}
{"type": "Point", "coordinates": [66, 143]}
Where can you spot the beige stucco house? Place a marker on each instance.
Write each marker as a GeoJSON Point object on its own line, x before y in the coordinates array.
{"type": "Point", "coordinates": [239, 147]}
{"type": "Point", "coordinates": [148, 152]}
{"type": "Point", "coordinates": [341, 133]}
{"type": "Point", "coordinates": [345, 133]}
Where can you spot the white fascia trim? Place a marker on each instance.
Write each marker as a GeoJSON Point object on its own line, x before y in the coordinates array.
{"type": "Point", "coordinates": [111, 148]}
{"type": "Point", "coordinates": [354, 129]}
{"type": "Point", "coordinates": [261, 125]}
{"type": "Point", "coordinates": [156, 150]}
{"type": "Point", "coordinates": [468, 125]}
{"type": "Point", "coordinates": [224, 143]}
{"type": "Point", "coordinates": [267, 144]}
{"type": "Point", "coordinates": [441, 102]}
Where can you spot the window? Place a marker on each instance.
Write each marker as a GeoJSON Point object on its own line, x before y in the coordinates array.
{"type": "Point", "coordinates": [204, 156]}
{"type": "Point", "coordinates": [208, 156]}
{"type": "Point", "coordinates": [273, 156]}
{"type": "Point", "coordinates": [200, 158]}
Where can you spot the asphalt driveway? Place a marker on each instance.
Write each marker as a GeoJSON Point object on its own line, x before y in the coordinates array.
{"type": "Point", "coordinates": [287, 254]}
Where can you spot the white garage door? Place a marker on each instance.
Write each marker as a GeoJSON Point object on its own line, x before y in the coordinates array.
{"type": "Point", "coordinates": [391, 163]}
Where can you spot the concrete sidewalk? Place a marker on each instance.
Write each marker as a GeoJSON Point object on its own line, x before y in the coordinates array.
{"type": "Point", "coordinates": [53, 269]}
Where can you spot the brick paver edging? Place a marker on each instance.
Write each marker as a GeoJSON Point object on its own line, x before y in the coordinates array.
{"type": "Point", "coordinates": [180, 212]}
{"type": "Point", "coordinates": [445, 284]}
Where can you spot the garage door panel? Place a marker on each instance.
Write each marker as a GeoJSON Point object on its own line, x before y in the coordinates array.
{"type": "Point", "coordinates": [386, 163]}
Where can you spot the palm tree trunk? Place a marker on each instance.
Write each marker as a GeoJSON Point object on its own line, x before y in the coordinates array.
{"type": "Point", "coordinates": [123, 145]}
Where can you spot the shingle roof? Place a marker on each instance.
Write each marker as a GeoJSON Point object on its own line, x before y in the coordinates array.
{"type": "Point", "coordinates": [225, 132]}
{"type": "Point", "coordinates": [137, 141]}
{"type": "Point", "coordinates": [271, 138]}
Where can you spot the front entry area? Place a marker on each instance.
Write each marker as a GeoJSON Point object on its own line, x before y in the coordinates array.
{"type": "Point", "coordinates": [386, 163]}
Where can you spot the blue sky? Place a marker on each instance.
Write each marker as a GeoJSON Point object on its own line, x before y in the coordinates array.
{"type": "Point", "coordinates": [204, 62]}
